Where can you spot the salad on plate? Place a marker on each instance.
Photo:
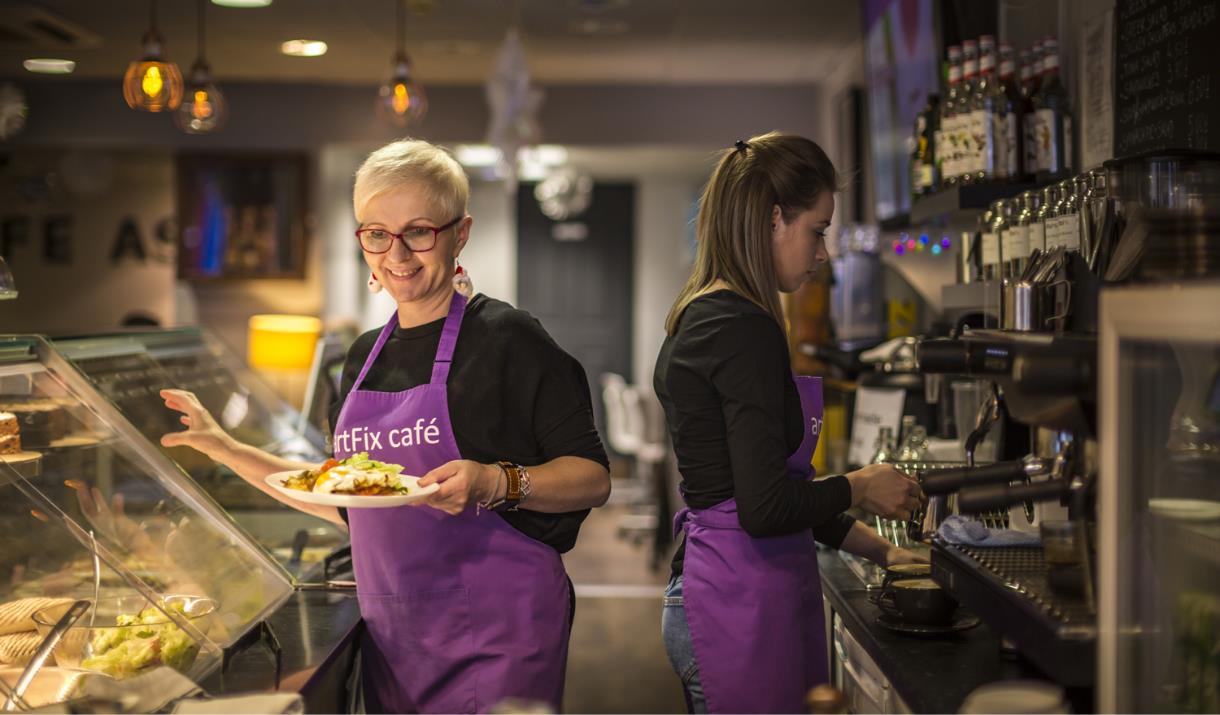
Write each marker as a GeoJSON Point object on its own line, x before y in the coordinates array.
{"type": "Point", "coordinates": [355, 476]}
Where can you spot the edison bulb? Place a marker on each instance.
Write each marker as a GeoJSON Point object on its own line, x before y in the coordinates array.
{"type": "Point", "coordinates": [402, 100]}
{"type": "Point", "coordinates": [151, 84]}
{"type": "Point", "coordinates": [204, 109]}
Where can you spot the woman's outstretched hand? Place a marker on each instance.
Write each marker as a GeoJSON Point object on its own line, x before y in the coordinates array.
{"type": "Point", "coordinates": [202, 432]}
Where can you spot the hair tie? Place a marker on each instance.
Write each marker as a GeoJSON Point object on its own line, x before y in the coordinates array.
{"type": "Point", "coordinates": [741, 145]}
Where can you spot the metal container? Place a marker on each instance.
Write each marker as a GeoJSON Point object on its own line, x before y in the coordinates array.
{"type": "Point", "coordinates": [1030, 306]}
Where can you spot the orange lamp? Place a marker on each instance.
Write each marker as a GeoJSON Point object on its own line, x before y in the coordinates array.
{"type": "Point", "coordinates": [282, 342]}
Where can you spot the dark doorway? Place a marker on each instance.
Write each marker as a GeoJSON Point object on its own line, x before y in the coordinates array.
{"type": "Point", "coordinates": [581, 289]}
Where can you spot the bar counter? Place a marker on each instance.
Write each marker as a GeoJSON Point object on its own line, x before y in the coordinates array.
{"type": "Point", "coordinates": [928, 674]}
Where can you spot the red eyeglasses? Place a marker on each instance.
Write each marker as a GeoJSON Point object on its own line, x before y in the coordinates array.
{"type": "Point", "coordinates": [417, 239]}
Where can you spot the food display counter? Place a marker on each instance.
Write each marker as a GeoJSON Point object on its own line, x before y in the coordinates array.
{"type": "Point", "coordinates": [132, 368]}
{"type": "Point", "coordinates": [98, 521]}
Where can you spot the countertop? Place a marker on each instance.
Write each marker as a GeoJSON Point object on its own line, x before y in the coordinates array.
{"type": "Point", "coordinates": [316, 631]}
{"type": "Point", "coordinates": [929, 674]}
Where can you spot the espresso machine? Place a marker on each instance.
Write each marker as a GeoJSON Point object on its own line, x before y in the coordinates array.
{"type": "Point", "coordinates": [1119, 598]}
{"type": "Point", "coordinates": [1041, 599]}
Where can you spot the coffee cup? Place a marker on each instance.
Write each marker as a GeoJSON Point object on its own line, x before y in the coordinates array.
{"type": "Point", "coordinates": [918, 600]}
{"type": "Point", "coordinates": [898, 572]}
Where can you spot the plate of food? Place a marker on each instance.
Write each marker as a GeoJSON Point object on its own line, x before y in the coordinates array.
{"type": "Point", "coordinates": [356, 482]}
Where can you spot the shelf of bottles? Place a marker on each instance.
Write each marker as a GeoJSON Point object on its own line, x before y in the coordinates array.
{"type": "Point", "coordinates": [1001, 127]}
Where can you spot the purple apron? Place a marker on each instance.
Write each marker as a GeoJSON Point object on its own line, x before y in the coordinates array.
{"type": "Point", "coordinates": [754, 606]}
{"type": "Point", "coordinates": [460, 611]}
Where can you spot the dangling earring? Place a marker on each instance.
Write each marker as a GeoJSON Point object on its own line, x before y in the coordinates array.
{"type": "Point", "coordinates": [462, 283]}
{"type": "Point", "coordinates": [374, 284]}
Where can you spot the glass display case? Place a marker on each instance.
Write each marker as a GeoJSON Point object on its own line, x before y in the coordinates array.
{"type": "Point", "coordinates": [1159, 500]}
{"type": "Point", "coordinates": [132, 368]}
{"type": "Point", "coordinates": [175, 579]}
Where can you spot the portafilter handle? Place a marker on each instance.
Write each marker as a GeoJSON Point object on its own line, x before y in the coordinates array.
{"type": "Point", "coordinates": [976, 500]}
{"type": "Point", "coordinates": [947, 481]}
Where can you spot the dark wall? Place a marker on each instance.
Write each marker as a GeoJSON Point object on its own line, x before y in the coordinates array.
{"type": "Point", "coordinates": [302, 116]}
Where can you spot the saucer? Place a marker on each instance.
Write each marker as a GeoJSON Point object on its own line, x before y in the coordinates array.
{"type": "Point", "coordinates": [961, 621]}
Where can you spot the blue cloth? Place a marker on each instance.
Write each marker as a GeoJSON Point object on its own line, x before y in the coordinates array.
{"type": "Point", "coordinates": [675, 631]}
{"type": "Point", "coordinates": [963, 530]}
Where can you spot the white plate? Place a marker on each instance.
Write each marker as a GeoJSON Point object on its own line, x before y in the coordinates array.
{"type": "Point", "coordinates": [1186, 509]}
{"type": "Point", "coordinates": [350, 501]}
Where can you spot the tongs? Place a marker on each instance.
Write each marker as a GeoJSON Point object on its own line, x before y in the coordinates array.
{"type": "Point", "coordinates": [66, 621]}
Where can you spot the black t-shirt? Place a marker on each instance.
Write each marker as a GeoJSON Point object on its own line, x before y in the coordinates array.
{"type": "Point", "coordinates": [734, 413]}
{"type": "Point", "coordinates": [514, 395]}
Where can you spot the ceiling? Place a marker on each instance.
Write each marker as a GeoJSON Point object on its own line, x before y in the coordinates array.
{"type": "Point", "coordinates": [453, 41]}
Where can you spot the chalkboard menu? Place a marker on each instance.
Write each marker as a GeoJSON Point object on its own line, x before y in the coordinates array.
{"type": "Point", "coordinates": [1166, 57]}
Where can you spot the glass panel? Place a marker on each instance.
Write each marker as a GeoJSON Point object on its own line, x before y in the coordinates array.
{"type": "Point", "coordinates": [132, 369]}
{"type": "Point", "coordinates": [45, 566]}
{"type": "Point", "coordinates": [1169, 563]}
{"type": "Point", "coordinates": [96, 474]}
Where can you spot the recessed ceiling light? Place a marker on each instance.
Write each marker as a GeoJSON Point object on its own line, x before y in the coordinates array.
{"type": "Point", "coordinates": [49, 66]}
{"type": "Point", "coordinates": [303, 48]}
{"type": "Point", "coordinates": [242, 3]}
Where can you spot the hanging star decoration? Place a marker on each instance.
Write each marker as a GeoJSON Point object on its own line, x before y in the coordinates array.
{"type": "Point", "coordinates": [514, 102]}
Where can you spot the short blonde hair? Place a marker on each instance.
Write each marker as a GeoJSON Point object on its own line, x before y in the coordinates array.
{"type": "Point", "coordinates": [412, 162]}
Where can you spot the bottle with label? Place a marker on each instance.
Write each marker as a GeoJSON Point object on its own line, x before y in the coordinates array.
{"type": "Point", "coordinates": [1014, 243]}
{"type": "Point", "coordinates": [1011, 116]}
{"type": "Point", "coordinates": [1063, 229]}
{"type": "Point", "coordinates": [1093, 215]}
{"type": "Point", "coordinates": [1069, 214]}
{"type": "Point", "coordinates": [1052, 118]}
{"type": "Point", "coordinates": [1080, 190]}
{"type": "Point", "coordinates": [1038, 237]}
{"type": "Point", "coordinates": [1029, 87]}
{"type": "Point", "coordinates": [923, 152]}
{"type": "Point", "coordinates": [994, 222]}
{"type": "Point", "coordinates": [1036, 241]}
{"type": "Point", "coordinates": [985, 116]}
{"type": "Point", "coordinates": [946, 135]}
{"type": "Point", "coordinates": [970, 126]}
{"type": "Point", "coordinates": [914, 164]}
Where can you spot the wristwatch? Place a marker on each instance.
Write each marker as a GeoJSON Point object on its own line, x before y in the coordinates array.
{"type": "Point", "coordinates": [519, 487]}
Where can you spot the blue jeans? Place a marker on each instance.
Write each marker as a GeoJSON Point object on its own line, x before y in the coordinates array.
{"type": "Point", "coordinates": [676, 633]}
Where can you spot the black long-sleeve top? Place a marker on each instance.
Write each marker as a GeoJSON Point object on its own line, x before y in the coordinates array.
{"type": "Point", "coordinates": [514, 394]}
{"type": "Point", "coordinates": [734, 413]}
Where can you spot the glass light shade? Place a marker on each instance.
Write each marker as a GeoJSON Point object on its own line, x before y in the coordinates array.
{"type": "Point", "coordinates": [152, 84]}
{"type": "Point", "coordinates": [203, 107]}
{"type": "Point", "coordinates": [402, 100]}
{"type": "Point", "coordinates": [283, 342]}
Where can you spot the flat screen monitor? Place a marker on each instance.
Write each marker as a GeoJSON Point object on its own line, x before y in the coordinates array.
{"type": "Point", "coordinates": [323, 385]}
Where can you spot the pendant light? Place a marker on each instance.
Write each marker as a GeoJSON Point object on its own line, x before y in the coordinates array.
{"type": "Point", "coordinates": [401, 100]}
{"type": "Point", "coordinates": [152, 83]}
{"type": "Point", "coordinates": [203, 108]}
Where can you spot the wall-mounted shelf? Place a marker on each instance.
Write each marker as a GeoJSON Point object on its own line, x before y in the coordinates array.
{"type": "Point", "coordinates": [959, 206]}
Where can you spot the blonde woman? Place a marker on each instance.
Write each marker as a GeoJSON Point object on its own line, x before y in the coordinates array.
{"type": "Point", "coordinates": [743, 621]}
{"type": "Point", "coordinates": [465, 598]}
